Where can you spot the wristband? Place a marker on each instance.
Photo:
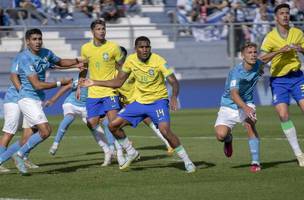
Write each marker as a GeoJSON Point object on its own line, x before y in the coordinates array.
{"type": "Point", "coordinates": [58, 83]}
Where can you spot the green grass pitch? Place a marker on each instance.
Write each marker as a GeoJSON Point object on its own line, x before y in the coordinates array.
{"type": "Point", "coordinates": [75, 171]}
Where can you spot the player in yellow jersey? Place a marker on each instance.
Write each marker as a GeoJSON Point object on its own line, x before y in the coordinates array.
{"type": "Point", "coordinates": [102, 57]}
{"type": "Point", "coordinates": [126, 97]}
{"type": "Point", "coordinates": [281, 46]}
{"type": "Point", "coordinates": [150, 95]}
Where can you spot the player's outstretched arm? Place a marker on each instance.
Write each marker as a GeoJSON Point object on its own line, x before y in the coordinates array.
{"type": "Point", "coordinates": [40, 85]}
{"type": "Point", "coordinates": [70, 63]}
{"type": "Point", "coordinates": [114, 83]}
{"type": "Point", "coordinates": [59, 93]}
{"type": "Point", "coordinates": [175, 91]}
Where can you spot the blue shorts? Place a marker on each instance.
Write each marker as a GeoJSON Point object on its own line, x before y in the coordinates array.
{"type": "Point", "coordinates": [283, 87]}
{"type": "Point", "coordinates": [100, 106]}
{"type": "Point", "coordinates": [135, 112]}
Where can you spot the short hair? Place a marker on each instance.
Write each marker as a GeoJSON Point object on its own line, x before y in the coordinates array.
{"type": "Point", "coordinates": [247, 45]}
{"type": "Point", "coordinates": [33, 31]}
{"type": "Point", "coordinates": [142, 38]}
{"type": "Point", "coordinates": [123, 51]}
{"type": "Point", "coordinates": [97, 21]}
{"type": "Point", "coordinates": [278, 7]}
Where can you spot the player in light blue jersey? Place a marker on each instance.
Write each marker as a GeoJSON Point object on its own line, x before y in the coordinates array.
{"type": "Point", "coordinates": [237, 104]}
{"type": "Point", "coordinates": [73, 107]}
{"type": "Point", "coordinates": [33, 63]}
{"type": "Point", "coordinates": [12, 119]}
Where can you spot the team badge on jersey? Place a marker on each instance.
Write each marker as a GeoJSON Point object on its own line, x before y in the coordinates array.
{"type": "Point", "coordinates": [233, 83]}
{"type": "Point", "coordinates": [32, 68]}
{"type": "Point", "coordinates": [151, 72]}
{"type": "Point", "coordinates": [105, 57]}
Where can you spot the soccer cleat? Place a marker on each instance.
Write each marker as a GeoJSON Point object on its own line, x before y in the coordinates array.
{"type": "Point", "coordinates": [29, 164]}
{"type": "Point", "coordinates": [228, 150]}
{"type": "Point", "coordinates": [19, 162]}
{"type": "Point", "coordinates": [129, 160]}
{"type": "Point", "coordinates": [108, 159]}
{"type": "Point", "coordinates": [121, 160]}
{"type": "Point", "coordinates": [190, 167]}
{"type": "Point", "coordinates": [53, 149]}
{"type": "Point", "coordinates": [170, 151]}
{"type": "Point", "coordinates": [3, 169]}
{"type": "Point", "coordinates": [255, 168]}
{"type": "Point", "coordinates": [300, 159]}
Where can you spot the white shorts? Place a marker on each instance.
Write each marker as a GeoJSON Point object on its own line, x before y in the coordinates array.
{"type": "Point", "coordinates": [229, 117]}
{"type": "Point", "coordinates": [71, 109]}
{"type": "Point", "coordinates": [13, 118]}
{"type": "Point", "coordinates": [32, 111]}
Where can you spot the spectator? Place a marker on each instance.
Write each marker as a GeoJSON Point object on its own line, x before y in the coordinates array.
{"type": "Point", "coordinates": [109, 11]}
{"type": "Point", "coordinates": [4, 21]}
{"type": "Point", "coordinates": [133, 8]}
{"type": "Point", "coordinates": [260, 30]}
{"type": "Point", "coordinates": [4, 18]}
{"type": "Point", "coordinates": [33, 11]}
{"type": "Point", "coordinates": [11, 7]}
{"type": "Point", "coordinates": [86, 6]}
{"type": "Point", "coordinates": [62, 10]}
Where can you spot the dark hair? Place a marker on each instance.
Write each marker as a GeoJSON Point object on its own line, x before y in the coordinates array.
{"type": "Point", "coordinates": [278, 7]}
{"type": "Point", "coordinates": [247, 45]}
{"type": "Point", "coordinates": [123, 51]}
{"type": "Point", "coordinates": [97, 21]}
{"type": "Point", "coordinates": [33, 31]}
{"type": "Point", "coordinates": [142, 38]}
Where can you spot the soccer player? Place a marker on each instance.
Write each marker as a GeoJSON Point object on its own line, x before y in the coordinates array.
{"type": "Point", "coordinates": [151, 99]}
{"type": "Point", "coordinates": [73, 107]}
{"type": "Point", "coordinates": [126, 97]}
{"type": "Point", "coordinates": [281, 46]}
{"type": "Point", "coordinates": [102, 57]}
{"type": "Point", "coordinates": [33, 63]}
{"type": "Point", "coordinates": [237, 104]}
{"type": "Point", "coordinates": [12, 118]}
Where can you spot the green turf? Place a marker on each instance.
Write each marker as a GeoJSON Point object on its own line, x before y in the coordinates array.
{"type": "Point", "coordinates": [75, 172]}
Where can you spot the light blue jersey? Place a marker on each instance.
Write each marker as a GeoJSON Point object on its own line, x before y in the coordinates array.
{"type": "Point", "coordinates": [242, 80]}
{"type": "Point", "coordinates": [72, 96]}
{"type": "Point", "coordinates": [12, 95]}
{"type": "Point", "coordinates": [30, 64]}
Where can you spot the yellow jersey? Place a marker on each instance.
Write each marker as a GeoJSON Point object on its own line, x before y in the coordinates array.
{"type": "Point", "coordinates": [101, 66]}
{"type": "Point", "coordinates": [127, 89]}
{"type": "Point", "coordinates": [149, 85]}
{"type": "Point", "coordinates": [282, 64]}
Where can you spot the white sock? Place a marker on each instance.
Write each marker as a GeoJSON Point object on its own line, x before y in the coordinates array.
{"type": "Point", "coordinates": [158, 134]}
{"type": "Point", "coordinates": [181, 152]}
{"type": "Point", "coordinates": [100, 138]}
{"type": "Point", "coordinates": [291, 135]}
{"type": "Point", "coordinates": [127, 145]}
{"type": "Point", "coordinates": [119, 151]}
{"type": "Point", "coordinates": [55, 144]}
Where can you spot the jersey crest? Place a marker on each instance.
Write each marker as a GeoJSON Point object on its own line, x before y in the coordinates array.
{"type": "Point", "coordinates": [105, 57]}
{"type": "Point", "coordinates": [151, 72]}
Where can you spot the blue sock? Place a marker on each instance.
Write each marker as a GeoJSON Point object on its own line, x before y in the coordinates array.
{"type": "Point", "coordinates": [34, 140]}
{"type": "Point", "coordinates": [2, 149]}
{"type": "Point", "coordinates": [254, 146]}
{"type": "Point", "coordinates": [109, 135]}
{"type": "Point", "coordinates": [64, 125]}
{"type": "Point", "coordinates": [9, 152]}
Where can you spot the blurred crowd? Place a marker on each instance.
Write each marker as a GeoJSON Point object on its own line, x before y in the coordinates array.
{"type": "Point", "coordinates": [12, 12]}
{"type": "Point", "coordinates": [204, 12]}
